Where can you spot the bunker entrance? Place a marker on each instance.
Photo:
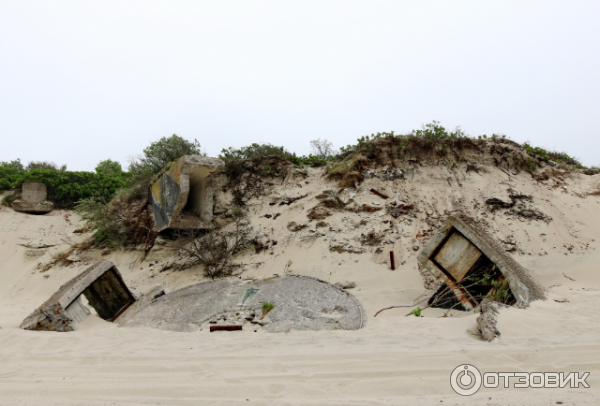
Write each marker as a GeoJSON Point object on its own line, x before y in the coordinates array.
{"type": "Point", "coordinates": [108, 296]}
{"type": "Point", "coordinates": [102, 286]}
{"type": "Point", "coordinates": [197, 203]}
{"type": "Point", "coordinates": [463, 264]}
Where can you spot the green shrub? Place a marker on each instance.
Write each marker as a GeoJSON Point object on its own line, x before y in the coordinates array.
{"type": "Point", "coordinates": [16, 165]}
{"type": "Point", "coordinates": [416, 312]}
{"type": "Point", "coordinates": [9, 198]}
{"type": "Point", "coordinates": [162, 152]}
{"type": "Point", "coordinates": [267, 307]}
{"type": "Point", "coordinates": [10, 178]}
{"type": "Point", "coordinates": [108, 167]}
{"type": "Point", "coordinates": [65, 189]}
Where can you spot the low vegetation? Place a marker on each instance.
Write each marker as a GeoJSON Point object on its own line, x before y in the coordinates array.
{"type": "Point", "coordinates": [267, 307]}
{"type": "Point", "coordinates": [215, 250]}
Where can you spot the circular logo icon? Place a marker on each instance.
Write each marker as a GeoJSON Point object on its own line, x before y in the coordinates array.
{"type": "Point", "coordinates": [465, 380]}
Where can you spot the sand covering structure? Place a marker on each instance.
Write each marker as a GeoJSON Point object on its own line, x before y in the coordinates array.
{"type": "Point", "coordinates": [103, 287]}
{"type": "Point", "coordinates": [475, 267]}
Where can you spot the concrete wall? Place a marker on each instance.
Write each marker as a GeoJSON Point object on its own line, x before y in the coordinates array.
{"type": "Point", "coordinates": [34, 192]}
{"type": "Point", "coordinates": [183, 195]}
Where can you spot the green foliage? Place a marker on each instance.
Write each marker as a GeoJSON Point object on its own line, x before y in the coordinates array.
{"type": "Point", "coordinates": [255, 150]}
{"type": "Point", "coordinates": [162, 152]}
{"type": "Point", "coordinates": [16, 165]}
{"type": "Point", "coordinates": [108, 167]}
{"type": "Point", "coordinates": [416, 312]}
{"type": "Point", "coordinates": [110, 231]}
{"type": "Point", "coordinates": [9, 198]}
{"type": "Point", "coordinates": [434, 131]}
{"type": "Point", "coordinates": [10, 178]}
{"type": "Point", "coordinates": [286, 268]}
{"type": "Point", "coordinates": [555, 156]}
{"type": "Point", "coordinates": [51, 166]}
{"type": "Point", "coordinates": [65, 189]}
{"type": "Point", "coordinates": [267, 307]}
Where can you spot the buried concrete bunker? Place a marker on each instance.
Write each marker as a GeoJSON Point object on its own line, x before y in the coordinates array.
{"type": "Point", "coordinates": [102, 286]}
{"type": "Point", "coordinates": [473, 268]}
{"type": "Point", "coordinates": [293, 302]}
{"type": "Point", "coordinates": [183, 195]}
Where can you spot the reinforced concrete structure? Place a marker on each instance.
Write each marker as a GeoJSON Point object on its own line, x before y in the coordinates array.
{"type": "Point", "coordinates": [103, 287]}
{"type": "Point", "coordinates": [183, 195]}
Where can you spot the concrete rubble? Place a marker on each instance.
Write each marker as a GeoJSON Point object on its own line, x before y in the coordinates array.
{"type": "Point", "coordinates": [183, 195]}
{"type": "Point", "coordinates": [299, 303]}
{"type": "Point", "coordinates": [33, 199]}
{"type": "Point", "coordinates": [475, 267]}
{"type": "Point", "coordinates": [102, 286]}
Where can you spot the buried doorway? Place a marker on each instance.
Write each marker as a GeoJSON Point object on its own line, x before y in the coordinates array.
{"type": "Point", "coordinates": [107, 296]}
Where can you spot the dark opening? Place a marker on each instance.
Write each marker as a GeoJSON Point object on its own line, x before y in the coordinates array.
{"type": "Point", "coordinates": [484, 280]}
{"type": "Point", "coordinates": [108, 296]}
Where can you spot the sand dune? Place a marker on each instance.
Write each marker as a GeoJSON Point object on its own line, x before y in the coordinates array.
{"type": "Point", "coordinates": [395, 360]}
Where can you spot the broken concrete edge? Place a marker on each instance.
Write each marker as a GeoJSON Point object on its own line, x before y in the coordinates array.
{"type": "Point", "coordinates": [523, 286]}
{"type": "Point", "coordinates": [186, 181]}
{"type": "Point", "coordinates": [53, 315]}
{"type": "Point", "coordinates": [144, 299]}
{"type": "Point", "coordinates": [487, 319]}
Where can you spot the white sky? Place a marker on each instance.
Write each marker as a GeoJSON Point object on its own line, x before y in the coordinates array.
{"type": "Point", "coordinates": [83, 81]}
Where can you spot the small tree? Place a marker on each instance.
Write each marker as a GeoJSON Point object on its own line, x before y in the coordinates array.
{"type": "Point", "coordinates": [164, 151]}
{"type": "Point", "coordinates": [322, 148]}
{"type": "Point", "coordinates": [108, 167]}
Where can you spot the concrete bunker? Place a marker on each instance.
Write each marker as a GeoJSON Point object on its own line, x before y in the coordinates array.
{"type": "Point", "coordinates": [299, 303]}
{"type": "Point", "coordinates": [33, 199]}
{"type": "Point", "coordinates": [183, 195]}
{"type": "Point", "coordinates": [472, 267]}
{"type": "Point", "coordinates": [102, 286]}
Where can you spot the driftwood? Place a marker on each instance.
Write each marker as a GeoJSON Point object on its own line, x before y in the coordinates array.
{"type": "Point", "coordinates": [486, 322]}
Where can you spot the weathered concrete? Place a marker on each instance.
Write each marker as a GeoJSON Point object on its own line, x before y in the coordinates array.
{"type": "Point", "coordinates": [300, 303]}
{"type": "Point", "coordinates": [33, 199]}
{"type": "Point", "coordinates": [104, 289]}
{"type": "Point", "coordinates": [183, 195]}
{"type": "Point", "coordinates": [459, 246]}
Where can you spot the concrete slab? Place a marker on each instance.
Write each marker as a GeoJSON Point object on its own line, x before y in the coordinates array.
{"type": "Point", "coordinates": [300, 303]}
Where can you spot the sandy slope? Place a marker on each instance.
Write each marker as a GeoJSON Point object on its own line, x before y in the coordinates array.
{"type": "Point", "coordinates": [394, 360]}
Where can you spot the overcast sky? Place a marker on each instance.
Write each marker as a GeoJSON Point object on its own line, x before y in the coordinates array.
{"type": "Point", "coordinates": [84, 81]}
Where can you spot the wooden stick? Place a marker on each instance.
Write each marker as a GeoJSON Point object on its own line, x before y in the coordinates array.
{"type": "Point", "coordinates": [379, 193]}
